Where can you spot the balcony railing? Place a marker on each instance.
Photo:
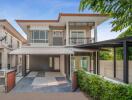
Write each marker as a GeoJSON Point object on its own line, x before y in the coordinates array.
{"type": "Point", "coordinates": [79, 41]}
{"type": "Point", "coordinates": [39, 41]}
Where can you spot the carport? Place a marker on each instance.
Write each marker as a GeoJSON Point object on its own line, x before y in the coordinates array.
{"type": "Point", "coordinates": [45, 59]}
{"type": "Point", "coordinates": [113, 43]}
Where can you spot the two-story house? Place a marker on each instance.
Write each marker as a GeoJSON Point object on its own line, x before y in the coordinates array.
{"type": "Point", "coordinates": [50, 43]}
{"type": "Point", "coordinates": [10, 39]}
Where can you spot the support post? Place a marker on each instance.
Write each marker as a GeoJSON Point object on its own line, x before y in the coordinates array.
{"type": "Point", "coordinates": [114, 62]}
{"type": "Point", "coordinates": [95, 33]}
{"type": "Point", "coordinates": [125, 62]}
{"type": "Point", "coordinates": [23, 65]}
{"type": "Point", "coordinates": [98, 62]}
{"type": "Point", "coordinates": [70, 69]}
{"type": "Point", "coordinates": [94, 62]}
{"type": "Point", "coordinates": [90, 69]}
{"type": "Point", "coordinates": [67, 66]}
{"type": "Point", "coordinates": [67, 33]}
{"type": "Point", "coordinates": [27, 63]}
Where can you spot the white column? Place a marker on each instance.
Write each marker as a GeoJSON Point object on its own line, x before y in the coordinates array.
{"type": "Point", "coordinates": [70, 69]}
{"type": "Point", "coordinates": [67, 33]}
{"type": "Point", "coordinates": [62, 65]}
{"type": "Point", "coordinates": [4, 58]}
{"type": "Point", "coordinates": [95, 33]}
{"type": "Point", "coordinates": [27, 62]}
{"type": "Point", "coordinates": [13, 60]}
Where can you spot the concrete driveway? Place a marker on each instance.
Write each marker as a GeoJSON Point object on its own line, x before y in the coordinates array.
{"type": "Point", "coordinates": [44, 96]}
{"type": "Point", "coordinates": [46, 82]}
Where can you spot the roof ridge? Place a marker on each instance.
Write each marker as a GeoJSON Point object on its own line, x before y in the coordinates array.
{"type": "Point", "coordinates": [64, 14]}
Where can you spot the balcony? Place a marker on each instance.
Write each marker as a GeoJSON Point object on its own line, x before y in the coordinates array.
{"type": "Point", "coordinates": [79, 41]}
{"type": "Point", "coordinates": [57, 41]}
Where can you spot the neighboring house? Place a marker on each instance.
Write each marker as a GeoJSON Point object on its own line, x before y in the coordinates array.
{"type": "Point", "coordinates": [10, 40]}
{"type": "Point", "coordinates": [50, 43]}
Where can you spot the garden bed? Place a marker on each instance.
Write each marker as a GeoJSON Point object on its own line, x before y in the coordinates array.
{"type": "Point", "coordinates": [101, 89]}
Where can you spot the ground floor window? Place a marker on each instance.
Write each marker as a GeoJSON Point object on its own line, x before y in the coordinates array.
{"type": "Point", "coordinates": [80, 62]}
{"type": "Point", "coordinates": [84, 63]}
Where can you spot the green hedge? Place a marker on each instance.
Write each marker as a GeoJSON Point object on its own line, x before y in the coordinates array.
{"type": "Point", "coordinates": [100, 89]}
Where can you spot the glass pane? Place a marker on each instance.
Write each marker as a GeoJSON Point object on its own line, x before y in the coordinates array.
{"type": "Point", "coordinates": [84, 63]}
{"type": "Point", "coordinates": [31, 36]}
{"type": "Point", "coordinates": [36, 34]}
{"type": "Point", "coordinates": [46, 34]}
{"type": "Point", "coordinates": [80, 34]}
{"type": "Point", "coordinates": [74, 34]}
{"type": "Point", "coordinates": [42, 34]}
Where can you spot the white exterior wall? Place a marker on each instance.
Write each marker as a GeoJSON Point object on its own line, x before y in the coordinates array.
{"type": "Point", "coordinates": [14, 42]}
{"type": "Point", "coordinates": [4, 58]}
{"type": "Point", "coordinates": [13, 60]}
{"type": "Point", "coordinates": [8, 39]}
{"type": "Point", "coordinates": [6, 49]}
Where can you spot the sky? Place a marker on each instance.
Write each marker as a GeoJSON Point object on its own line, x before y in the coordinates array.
{"type": "Point", "coordinates": [47, 9]}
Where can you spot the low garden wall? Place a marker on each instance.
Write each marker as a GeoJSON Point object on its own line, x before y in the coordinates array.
{"type": "Point", "coordinates": [106, 69]}
{"type": "Point", "coordinates": [101, 89]}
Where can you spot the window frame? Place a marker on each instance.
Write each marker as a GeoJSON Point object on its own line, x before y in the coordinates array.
{"type": "Point", "coordinates": [45, 40]}
{"type": "Point", "coordinates": [61, 33]}
{"type": "Point", "coordinates": [84, 32]}
{"type": "Point", "coordinates": [88, 62]}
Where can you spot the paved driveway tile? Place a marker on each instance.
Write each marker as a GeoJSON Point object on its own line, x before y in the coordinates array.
{"type": "Point", "coordinates": [51, 82]}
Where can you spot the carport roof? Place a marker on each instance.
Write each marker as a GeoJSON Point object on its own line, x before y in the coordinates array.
{"type": "Point", "coordinates": [41, 50]}
{"type": "Point", "coordinates": [107, 43]}
{"type": "Point", "coordinates": [48, 50]}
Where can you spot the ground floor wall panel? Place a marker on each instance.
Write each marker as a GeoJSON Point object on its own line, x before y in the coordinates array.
{"type": "Point", "coordinates": [119, 70]}
{"type": "Point", "coordinates": [106, 69]}
{"type": "Point", "coordinates": [130, 71]}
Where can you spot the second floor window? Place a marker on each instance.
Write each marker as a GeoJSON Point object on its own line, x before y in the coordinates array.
{"type": "Point", "coordinates": [77, 37]}
{"type": "Point", "coordinates": [39, 36]}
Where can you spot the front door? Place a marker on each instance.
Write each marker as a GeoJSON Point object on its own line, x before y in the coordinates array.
{"type": "Point", "coordinates": [56, 63]}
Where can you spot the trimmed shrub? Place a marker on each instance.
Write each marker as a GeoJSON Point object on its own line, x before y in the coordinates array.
{"type": "Point", "coordinates": [101, 89]}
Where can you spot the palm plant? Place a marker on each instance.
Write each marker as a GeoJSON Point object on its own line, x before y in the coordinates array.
{"type": "Point", "coordinates": [119, 10]}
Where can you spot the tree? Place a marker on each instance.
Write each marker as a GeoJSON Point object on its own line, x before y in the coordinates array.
{"type": "Point", "coordinates": [120, 50]}
{"type": "Point", "coordinates": [125, 34]}
{"type": "Point", "coordinates": [106, 55]}
{"type": "Point", "coordinates": [119, 10]}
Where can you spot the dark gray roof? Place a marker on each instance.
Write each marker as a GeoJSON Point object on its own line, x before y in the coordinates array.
{"type": "Point", "coordinates": [107, 43]}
